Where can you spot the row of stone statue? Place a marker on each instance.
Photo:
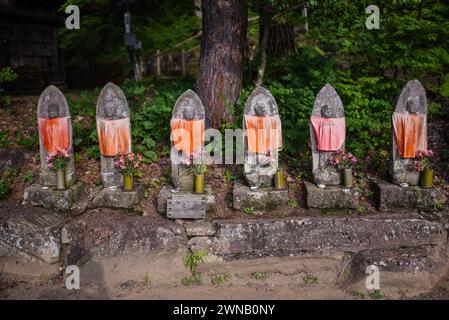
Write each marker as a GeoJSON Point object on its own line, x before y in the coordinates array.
{"type": "Point", "coordinates": [263, 138]}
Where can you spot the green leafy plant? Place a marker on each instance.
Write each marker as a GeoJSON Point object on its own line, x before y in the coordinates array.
{"type": "Point", "coordinates": [260, 276]}
{"type": "Point", "coordinates": [7, 75]}
{"type": "Point", "coordinates": [4, 141]}
{"type": "Point", "coordinates": [310, 278]}
{"type": "Point", "coordinates": [28, 177]}
{"type": "Point", "coordinates": [194, 279]}
{"type": "Point", "coordinates": [249, 211]}
{"type": "Point", "coordinates": [376, 294]}
{"type": "Point", "coordinates": [194, 258]}
{"type": "Point", "coordinates": [5, 188]}
{"type": "Point", "coordinates": [219, 279]}
{"type": "Point", "coordinates": [293, 203]}
{"type": "Point", "coordinates": [229, 176]}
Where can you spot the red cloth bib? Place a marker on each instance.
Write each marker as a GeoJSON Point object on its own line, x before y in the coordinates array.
{"type": "Point", "coordinates": [330, 133]}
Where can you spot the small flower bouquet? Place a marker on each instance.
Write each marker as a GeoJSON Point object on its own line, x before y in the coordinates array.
{"type": "Point", "coordinates": [344, 161]}
{"type": "Point", "coordinates": [58, 161]}
{"type": "Point", "coordinates": [424, 160]}
{"type": "Point", "coordinates": [129, 164]}
{"type": "Point", "coordinates": [424, 164]}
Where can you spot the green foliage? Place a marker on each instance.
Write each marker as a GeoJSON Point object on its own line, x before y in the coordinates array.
{"type": "Point", "coordinates": [260, 275]}
{"type": "Point", "coordinates": [194, 279]}
{"type": "Point", "coordinates": [219, 279]}
{"type": "Point", "coordinates": [5, 188]}
{"type": "Point", "coordinates": [249, 211]}
{"type": "Point", "coordinates": [4, 140]}
{"type": "Point", "coordinates": [28, 177]}
{"type": "Point", "coordinates": [193, 259]}
{"type": "Point", "coordinates": [310, 278]}
{"type": "Point", "coordinates": [376, 294]}
{"type": "Point", "coordinates": [7, 75]}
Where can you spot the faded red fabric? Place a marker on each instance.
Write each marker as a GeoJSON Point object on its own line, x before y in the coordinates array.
{"type": "Point", "coordinates": [114, 136]}
{"type": "Point", "coordinates": [264, 134]}
{"type": "Point", "coordinates": [410, 131]}
{"type": "Point", "coordinates": [187, 135]}
{"type": "Point", "coordinates": [330, 133]}
{"type": "Point", "coordinates": [54, 134]}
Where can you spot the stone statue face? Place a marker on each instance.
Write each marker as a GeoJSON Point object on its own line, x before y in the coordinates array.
{"type": "Point", "coordinates": [261, 108]}
{"type": "Point", "coordinates": [326, 111]}
{"type": "Point", "coordinates": [189, 112]}
{"type": "Point", "coordinates": [109, 109]}
{"type": "Point", "coordinates": [53, 111]}
{"type": "Point", "coordinates": [412, 105]}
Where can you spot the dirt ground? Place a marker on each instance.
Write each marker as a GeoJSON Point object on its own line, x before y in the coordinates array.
{"type": "Point", "coordinates": [160, 277]}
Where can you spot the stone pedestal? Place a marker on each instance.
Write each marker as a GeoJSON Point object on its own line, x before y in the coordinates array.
{"type": "Point", "coordinates": [331, 197]}
{"type": "Point", "coordinates": [118, 198]}
{"type": "Point", "coordinates": [184, 204]}
{"type": "Point", "coordinates": [36, 232]}
{"type": "Point", "coordinates": [59, 200]}
{"type": "Point", "coordinates": [261, 199]}
{"type": "Point", "coordinates": [392, 197]}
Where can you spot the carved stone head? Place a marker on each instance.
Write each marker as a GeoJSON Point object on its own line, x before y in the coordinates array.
{"type": "Point", "coordinates": [261, 108]}
{"type": "Point", "coordinates": [412, 105]}
{"type": "Point", "coordinates": [326, 111]}
{"type": "Point", "coordinates": [189, 111]}
{"type": "Point", "coordinates": [53, 110]}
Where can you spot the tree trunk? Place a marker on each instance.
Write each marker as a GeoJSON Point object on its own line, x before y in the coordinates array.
{"type": "Point", "coordinates": [281, 40]}
{"type": "Point", "coordinates": [222, 53]}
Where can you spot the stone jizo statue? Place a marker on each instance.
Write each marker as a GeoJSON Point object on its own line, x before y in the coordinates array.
{"type": "Point", "coordinates": [327, 135]}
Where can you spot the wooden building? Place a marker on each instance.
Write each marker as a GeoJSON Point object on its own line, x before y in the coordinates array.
{"type": "Point", "coordinates": [29, 41]}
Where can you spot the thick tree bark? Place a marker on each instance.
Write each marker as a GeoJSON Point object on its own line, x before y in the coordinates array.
{"type": "Point", "coordinates": [222, 53]}
{"type": "Point", "coordinates": [281, 40]}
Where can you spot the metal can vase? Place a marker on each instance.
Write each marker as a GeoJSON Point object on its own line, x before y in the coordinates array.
{"type": "Point", "coordinates": [128, 182]}
{"type": "Point", "coordinates": [60, 180]}
{"type": "Point", "coordinates": [199, 183]}
{"type": "Point", "coordinates": [347, 178]}
{"type": "Point", "coordinates": [427, 179]}
{"type": "Point", "coordinates": [279, 182]}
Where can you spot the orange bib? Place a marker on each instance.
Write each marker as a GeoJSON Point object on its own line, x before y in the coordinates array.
{"type": "Point", "coordinates": [264, 134]}
{"type": "Point", "coordinates": [330, 133]}
{"type": "Point", "coordinates": [410, 131]}
{"type": "Point", "coordinates": [187, 135]}
{"type": "Point", "coordinates": [54, 134]}
{"type": "Point", "coordinates": [114, 136]}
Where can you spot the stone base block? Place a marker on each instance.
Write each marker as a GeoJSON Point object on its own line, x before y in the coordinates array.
{"type": "Point", "coordinates": [36, 232]}
{"type": "Point", "coordinates": [260, 199]}
{"type": "Point", "coordinates": [391, 197]}
{"type": "Point", "coordinates": [106, 233]}
{"type": "Point", "coordinates": [166, 193]}
{"type": "Point", "coordinates": [331, 197]}
{"type": "Point", "coordinates": [50, 198]}
{"type": "Point", "coordinates": [118, 198]}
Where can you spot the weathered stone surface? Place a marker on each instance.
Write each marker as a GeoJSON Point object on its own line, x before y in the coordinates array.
{"type": "Point", "coordinates": [109, 233]}
{"type": "Point", "coordinates": [390, 197]}
{"type": "Point", "coordinates": [51, 98]}
{"type": "Point", "coordinates": [331, 197]}
{"type": "Point", "coordinates": [186, 206]}
{"type": "Point", "coordinates": [59, 200]}
{"type": "Point", "coordinates": [199, 228]}
{"type": "Point", "coordinates": [196, 244]}
{"type": "Point", "coordinates": [112, 105]}
{"type": "Point", "coordinates": [257, 170]}
{"type": "Point", "coordinates": [411, 259]}
{"type": "Point", "coordinates": [118, 198]}
{"type": "Point", "coordinates": [321, 235]}
{"type": "Point", "coordinates": [187, 107]}
{"type": "Point", "coordinates": [323, 172]}
{"type": "Point", "coordinates": [413, 96]}
{"type": "Point", "coordinates": [260, 199]}
{"type": "Point", "coordinates": [165, 193]}
{"type": "Point", "coordinates": [36, 232]}
{"type": "Point", "coordinates": [11, 158]}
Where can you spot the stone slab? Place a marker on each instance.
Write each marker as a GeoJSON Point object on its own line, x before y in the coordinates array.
{"type": "Point", "coordinates": [392, 197]}
{"type": "Point", "coordinates": [36, 232]}
{"type": "Point", "coordinates": [199, 228]}
{"type": "Point", "coordinates": [118, 198]}
{"type": "Point", "coordinates": [331, 197]}
{"type": "Point", "coordinates": [186, 206]}
{"type": "Point", "coordinates": [165, 193]}
{"type": "Point", "coordinates": [260, 199]}
{"type": "Point", "coordinates": [102, 232]}
{"type": "Point", "coordinates": [60, 200]}
{"type": "Point", "coordinates": [321, 235]}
